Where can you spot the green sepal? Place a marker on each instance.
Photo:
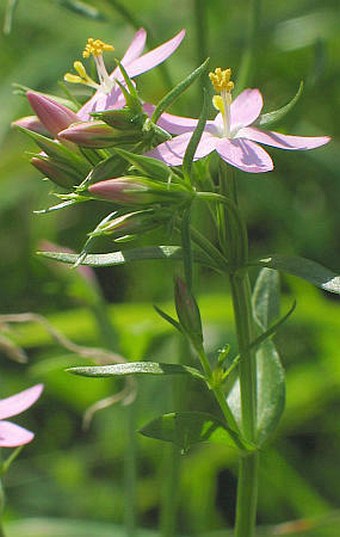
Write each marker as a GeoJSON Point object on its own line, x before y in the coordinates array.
{"type": "Point", "coordinates": [169, 319]}
{"type": "Point", "coordinates": [177, 91]}
{"type": "Point", "coordinates": [306, 269]}
{"type": "Point", "coordinates": [57, 151]}
{"type": "Point", "coordinates": [195, 139]}
{"type": "Point", "coordinates": [130, 93]}
{"type": "Point", "coordinates": [153, 168]}
{"type": "Point", "coordinates": [277, 115]}
{"type": "Point", "coordinates": [185, 429]}
{"type": "Point", "coordinates": [123, 119]}
{"type": "Point", "coordinates": [108, 168]}
{"type": "Point", "coordinates": [135, 368]}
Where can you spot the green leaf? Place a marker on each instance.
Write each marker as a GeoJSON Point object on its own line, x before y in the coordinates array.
{"type": "Point", "coordinates": [135, 368]}
{"type": "Point", "coordinates": [303, 268]}
{"type": "Point", "coordinates": [271, 390]}
{"type": "Point", "coordinates": [9, 14]}
{"type": "Point", "coordinates": [266, 298]}
{"type": "Point", "coordinates": [276, 115]}
{"type": "Point", "coordinates": [270, 373]}
{"type": "Point", "coordinates": [195, 139]}
{"type": "Point", "coordinates": [122, 257]}
{"type": "Point", "coordinates": [187, 428]}
{"type": "Point", "coordinates": [49, 527]}
{"type": "Point", "coordinates": [83, 9]}
{"type": "Point", "coordinates": [173, 95]}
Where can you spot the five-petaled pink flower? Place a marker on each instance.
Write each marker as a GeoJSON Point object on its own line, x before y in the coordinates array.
{"type": "Point", "coordinates": [109, 95]}
{"type": "Point", "coordinates": [231, 133]}
{"type": "Point", "coordinates": [12, 435]}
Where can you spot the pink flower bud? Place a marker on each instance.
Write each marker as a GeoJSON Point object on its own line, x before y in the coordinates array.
{"type": "Point", "coordinates": [96, 134]}
{"type": "Point", "coordinates": [130, 224]}
{"type": "Point", "coordinates": [188, 312]}
{"type": "Point", "coordinates": [124, 190]}
{"type": "Point", "coordinates": [59, 174]}
{"type": "Point", "coordinates": [53, 115]}
{"type": "Point", "coordinates": [31, 123]}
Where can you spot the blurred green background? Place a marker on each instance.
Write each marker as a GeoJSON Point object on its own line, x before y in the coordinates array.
{"type": "Point", "coordinates": [71, 473]}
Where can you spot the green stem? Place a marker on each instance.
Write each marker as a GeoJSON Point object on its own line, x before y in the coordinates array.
{"type": "Point", "coordinates": [241, 299]}
{"type": "Point", "coordinates": [201, 37]}
{"type": "Point", "coordinates": [171, 472]}
{"type": "Point", "coordinates": [2, 503]}
{"type": "Point", "coordinates": [130, 473]}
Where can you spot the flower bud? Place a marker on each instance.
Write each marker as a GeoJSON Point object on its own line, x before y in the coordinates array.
{"type": "Point", "coordinates": [57, 172]}
{"type": "Point", "coordinates": [188, 312]}
{"type": "Point", "coordinates": [53, 115]}
{"type": "Point", "coordinates": [97, 134]}
{"type": "Point", "coordinates": [31, 123]}
{"type": "Point", "coordinates": [136, 190]}
{"type": "Point", "coordinates": [129, 224]}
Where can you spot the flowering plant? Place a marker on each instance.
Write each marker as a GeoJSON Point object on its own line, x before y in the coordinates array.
{"type": "Point", "coordinates": [154, 170]}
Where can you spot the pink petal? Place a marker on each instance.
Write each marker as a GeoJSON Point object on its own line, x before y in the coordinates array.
{"type": "Point", "coordinates": [173, 151]}
{"type": "Point", "coordinates": [11, 406]}
{"type": "Point", "coordinates": [12, 435]}
{"type": "Point", "coordinates": [245, 109]}
{"type": "Point", "coordinates": [135, 48]}
{"type": "Point", "coordinates": [244, 154]}
{"type": "Point", "coordinates": [156, 56]}
{"type": "Point", "coordinates": [283, 141]}
{"type": "Point", "coordinates": [171, 123]}
{"type": "Point", "coordinates": [102, 101]}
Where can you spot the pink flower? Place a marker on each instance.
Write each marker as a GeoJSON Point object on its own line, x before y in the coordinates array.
{"type": "Point", "coordinates": [108, 94]}
{"type": "Point", "coordinates": [232, 135]}
{"type": "Point", "coordinates": [12, 435]}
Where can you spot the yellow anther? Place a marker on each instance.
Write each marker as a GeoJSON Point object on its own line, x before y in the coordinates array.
{"type": "Point", "coordinates": [220, 79]}
{"type": "Point", "coordinates": [82, 77]}
{"type": "Point", "coordinates": [79, 67]}
{"type": "Point", "coordinates": [96, 47]}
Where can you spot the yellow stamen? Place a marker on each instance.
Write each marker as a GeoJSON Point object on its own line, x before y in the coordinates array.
{"type": "Point", "coordinates": [96, 47]}
{"type": "Point", "coordinates": [82, 77]}
{"type": "Point", "coordinates": [221, 80]}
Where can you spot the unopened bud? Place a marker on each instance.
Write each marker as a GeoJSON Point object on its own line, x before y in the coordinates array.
{"type": "Point", "coordinates": [129, 224]}
{"type": "Point", "coordinates": [188, 312]}
{"type": "Point", "coordinates": [53, 115]}
{"type": "Point", "coordinates": [97, 134]}
{"type": "Point", "coordinates": [59, 174]}
{"type": "Point", "coordinates": [31, 123]}
{"type": "Point", "coordinates": [136, 190]}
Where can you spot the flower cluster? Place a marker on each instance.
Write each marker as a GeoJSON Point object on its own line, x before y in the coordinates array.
{"type": "Point", "coordinates": [120, 149]}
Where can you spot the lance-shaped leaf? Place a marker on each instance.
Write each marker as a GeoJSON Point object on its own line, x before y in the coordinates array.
{"type": "Point", "coordinates": [133, 254]}
{"type": "Point", "coordinates": [276, 115]}
{"type": "Point", "coordinates": [304, 268]}
{"type": "Point", "coordinates": [270, 373]}
{"type": "Point", "coordinates": [187, 428]}
{"type": "Point", "coordinates": [135, 368]}
{"type": "Point", "coordinates": [173, 95]}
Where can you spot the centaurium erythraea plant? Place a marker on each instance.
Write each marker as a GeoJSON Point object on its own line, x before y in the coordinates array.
{"type": "Point", "coordinates": [12, 435]}
{"type": "Point", "coordinates": [232, 134]}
